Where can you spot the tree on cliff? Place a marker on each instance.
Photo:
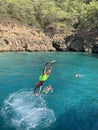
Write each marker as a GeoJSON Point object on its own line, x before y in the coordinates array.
{"type": "Point", "coordinates": [80, 15]}
{"type": "Point", "coordinates": [89, 18]}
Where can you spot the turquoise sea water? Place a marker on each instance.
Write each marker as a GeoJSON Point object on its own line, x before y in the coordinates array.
{"type": "Point", "coordinates": [73, 105]}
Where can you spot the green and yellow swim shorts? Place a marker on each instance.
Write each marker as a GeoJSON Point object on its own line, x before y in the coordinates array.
{"type": "Point", "coordinates": [43, 77]}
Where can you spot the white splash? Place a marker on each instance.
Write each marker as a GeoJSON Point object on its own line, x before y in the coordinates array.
{"type": "Point", "coordinates": [22, 110]}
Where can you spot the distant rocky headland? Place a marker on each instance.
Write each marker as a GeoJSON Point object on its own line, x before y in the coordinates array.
{"type": "Point", "coordinates": [17, 37]}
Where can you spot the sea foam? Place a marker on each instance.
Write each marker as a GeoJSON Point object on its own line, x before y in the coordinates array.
{"type": "Point", "coordinates": [23, 110]}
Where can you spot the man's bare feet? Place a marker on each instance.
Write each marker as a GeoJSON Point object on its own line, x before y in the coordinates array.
{"type": "Point", "coordinates": [54, 61]}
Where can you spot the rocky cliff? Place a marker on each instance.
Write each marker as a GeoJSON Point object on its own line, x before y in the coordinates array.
{"type": "Point", "coordinates": [80, 42]}
{"type": "Point", "coordinates": [17, 37]}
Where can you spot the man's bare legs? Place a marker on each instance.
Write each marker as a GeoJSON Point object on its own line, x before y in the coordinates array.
{"type": "Point", "coordinates": [50, 67]}
{"type": "Point", "coordinates": [44, 69]}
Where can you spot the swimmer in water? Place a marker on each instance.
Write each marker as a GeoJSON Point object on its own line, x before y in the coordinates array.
{"type": "Point", "coordinates": [48, 89]}
{"type": "Point", "coordinates": [76, 75]}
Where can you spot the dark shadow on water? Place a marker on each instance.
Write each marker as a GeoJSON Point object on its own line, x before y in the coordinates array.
{"type": "Point", "coordinates": [95, 55]}
{"type": "Point", "coordinates": [80, 118]}
{"type": "Point", "coordinates": [88, 54]}
{"type": "Point", "coordinates": [3, 125]}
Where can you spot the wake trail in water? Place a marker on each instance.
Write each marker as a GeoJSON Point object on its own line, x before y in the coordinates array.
{"type": "Point", "coordinates": [22, 110]}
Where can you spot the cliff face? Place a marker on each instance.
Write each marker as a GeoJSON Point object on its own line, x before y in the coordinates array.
{"type": "Point", "coordinates": [83, 42]}
{"type": "Point", "coordinates": [71, 41]}
{"type": "Point", "coordinates": [15, 37]}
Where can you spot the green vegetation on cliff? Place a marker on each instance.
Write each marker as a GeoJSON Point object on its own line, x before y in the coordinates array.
{"type": "Point", "coordinates": [81, 15]}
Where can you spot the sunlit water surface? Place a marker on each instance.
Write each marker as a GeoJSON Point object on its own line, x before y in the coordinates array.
{"type": "Point", "coordinates": [73, 104]}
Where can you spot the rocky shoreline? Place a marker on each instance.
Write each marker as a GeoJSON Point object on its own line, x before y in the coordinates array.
{"type": "Point", "coordinates": [17, 37]}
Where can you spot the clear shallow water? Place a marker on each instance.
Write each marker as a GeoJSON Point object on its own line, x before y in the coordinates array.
{"type": "Point", "coordinates": [73, 105]}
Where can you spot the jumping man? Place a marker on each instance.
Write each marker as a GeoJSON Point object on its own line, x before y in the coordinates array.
{"type": "Point", "coordinates": [43, 77]}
